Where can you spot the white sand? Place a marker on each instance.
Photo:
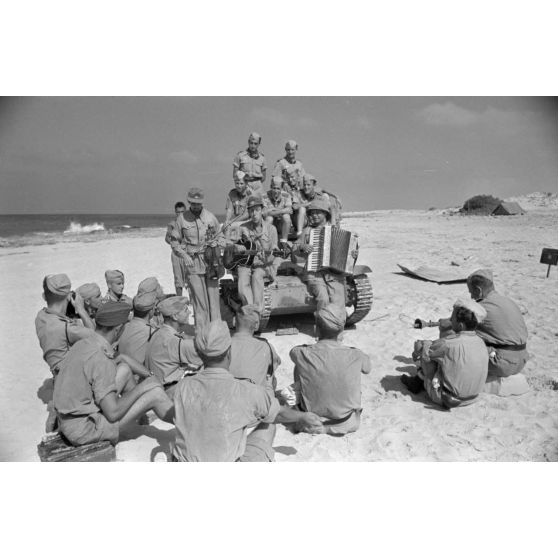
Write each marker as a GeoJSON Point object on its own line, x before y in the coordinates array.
{"type": "Point", "coordinates": [396, 425]}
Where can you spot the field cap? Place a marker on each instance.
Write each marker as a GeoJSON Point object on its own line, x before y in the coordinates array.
{"type": "Point", "coordinates": [213, 339]}
{"type": "Point", "coordinates": [195, 195]}
{"type": "Point", "coordinates": [474, 307]}
{"type": "Point", "coordinates": [255, 136]}
{"type": "Point", "coordinates": [331, 317]}
{"type": "Point", "coordinates": [91, 293]}
{"type": "Point", "coordinates": [249, 312]}
{"type": "Point", "coordinates": [276, 181]}
{"type": "Point", "coordinates": [486, 273]}
{"type": "Point", "coordinates": [145, 301]}
{"type": "Point", "coordinates": [253, 201]}
{"type": "Point", "coordinates": [58, 284]}
{"type": "Point", "coordinates": [319, 205]}
{"type": "Point", "coordinates": [239, 175]}
{"type": "Point", "coordinates": [172, 305]}
{"type": "Point", "coordinates": [291, 144]}
{"type": "Point", "coordinates": [310, 178]}
{"type": "Point", "coordinates": [112, 314]}
{"type": "Point", "coordinates": [113, 275]}
{"type": "Point", "coordinates": [149, 285]}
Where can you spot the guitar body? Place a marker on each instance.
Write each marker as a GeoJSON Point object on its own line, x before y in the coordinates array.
{"type": "Point", "coordinates": [232, 260]}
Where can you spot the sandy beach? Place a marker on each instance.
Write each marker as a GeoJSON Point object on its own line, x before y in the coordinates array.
{"type": "Point", "coordinates": [396, 425]}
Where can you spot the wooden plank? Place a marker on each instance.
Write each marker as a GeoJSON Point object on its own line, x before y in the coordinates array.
{"type": "Point", "coordinates": [55, 448]}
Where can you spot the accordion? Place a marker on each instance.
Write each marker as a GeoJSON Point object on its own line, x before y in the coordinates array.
{"type": "Point", "coordinates": [332, 247]}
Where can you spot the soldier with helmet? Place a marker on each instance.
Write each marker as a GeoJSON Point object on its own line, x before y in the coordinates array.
{"type": "Point", "coordinates": [199, 228]}
{"type": "Point", "coordinates": [252, 162]}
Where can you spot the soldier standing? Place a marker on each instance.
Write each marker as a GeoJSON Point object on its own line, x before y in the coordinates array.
{"type": "Point", "coordinates": [252, 162]}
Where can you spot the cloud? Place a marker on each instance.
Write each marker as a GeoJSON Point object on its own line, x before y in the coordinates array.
{"type": "Point", "coordinates": [184, 157]}
{"type": "Point", "coordinates": [448, 114]}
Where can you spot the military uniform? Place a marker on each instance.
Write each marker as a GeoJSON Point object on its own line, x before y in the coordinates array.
{"type": "Point", "coordinates": [454, 368]}
{"type": "Point", "coordinates": [251, 279]}
{"type": "Point", "coordinates": [283, 221]}
{"type": "Point", "coordinates": [57, 333]}
{"type": "Point", "coordinates": [324, 285]}
{"type": "Point", "coordinates": [236, 208]}
{"type": "Point", "coordinates": [87, 375]}
{"type": "Point", "coordinates": [178, 269]}
{"type": "Point", "coordinates": [214, 414]}
{"type": "Point", "coordinates": [296, 168]}
{"type": "Point", "coordinates": [133, 341]}
{"type": "Point", "coordinates": [253, 358]}
{"type": "Point", "coordinates": [505, 333]}
{"type": "Point", "coordinates": [204, 292]}
{"type": "Point", "coordinates": [169, 355]}
{"type": "Point", "coordinates": [254, 167]}
{"type": "Point", "coordinates": [328, 373]}
{"type": "Point", "coordinates": [111, 297]}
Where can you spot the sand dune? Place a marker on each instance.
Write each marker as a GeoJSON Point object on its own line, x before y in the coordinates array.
{"type": "Point", "coordinates": [396, 425]}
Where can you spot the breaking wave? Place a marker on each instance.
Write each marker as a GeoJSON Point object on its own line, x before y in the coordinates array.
{"type": "Point", "coordinates": [78, 228]}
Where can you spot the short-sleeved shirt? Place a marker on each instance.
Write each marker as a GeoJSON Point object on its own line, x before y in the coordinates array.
{"type": "Point", "coordinates": [193, 236]}
{"type": "Point", "coordinates": [236, 203]}
{"type": "Point", "coordinates": [329, 375]}
{"type": "Point", "coordinates": [318, 195]}
{"type": "Point", "coordinates": [265, 237]}
{"type": "Point", "coordinates": [463, 360]}
{"type": "Point", "coordinates": [504, 324]}
{"type": "Point", "coordinates": [213, 412]}
{"type": "Point", "coordinates": [57, 333]}
{"type": "Point", "coordinates": [255, 166]}
{"type": "Point", "coordinates": [134, 338]}
{"type": "Point", "coordinates": [252, 358]}
{"type": "Point", "coordinates": [283, 164]}
{"type": "Point", "coordinates": [283, 202]}
{"type": "Point", "coordinates": [87, 375]}
{"type": "Point", "coordinates": [169, 355]}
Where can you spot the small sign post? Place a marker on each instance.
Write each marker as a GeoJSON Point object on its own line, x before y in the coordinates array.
{"type": "Point", "coordinates": [549, 256]}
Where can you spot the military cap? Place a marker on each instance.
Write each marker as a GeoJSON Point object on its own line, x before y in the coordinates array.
{"type": "Point", "coordinates": [292, 144]}
{"type": "Point", "coordinates": [318, 204]}
{"type": "Point", "coordinates": [486, 273]}
{"type": "Point", "coordinates": [91, 293]}
{"type": "Point", "coordinates": [195, 195]}
{"type": "Point", "coordinates": [474, 307]}
{"type": "Point", "coordinates": [276, 181]}
{"type": "Point", "coordinates": [113, 275]}
{"type": "Point", "coordinates": [310, 178]}
{"type": "Point", "coordinates": [58, 284]}
{"type": "Point", "coordinates": [255, 136]}
{"type": "Point", "coordinates": [112, 314]}
{"type": "Point", "coordinates": [249, 312]}
{"type": "Point", "coordinates": [253, 201]}
{"type": "Point", "coordinates": [331, 317]}
{"type": "Point", "coordinates": [172, 305]}
{"type": "Point", "coordinates": [239, 175]}
{"type": "Point", "coordinates": [213, 339]}
{"type": "Point", "coordinates": [145, 301]}
{"type": "Point", "coordinates": [151, 284]}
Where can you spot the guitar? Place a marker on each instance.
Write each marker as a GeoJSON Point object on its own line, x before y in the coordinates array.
{"type": "Point", "coordinates": [231, 260]}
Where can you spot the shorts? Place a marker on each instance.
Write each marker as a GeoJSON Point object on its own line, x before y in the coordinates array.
{"type": "Point", "coordinates": [89, 429]}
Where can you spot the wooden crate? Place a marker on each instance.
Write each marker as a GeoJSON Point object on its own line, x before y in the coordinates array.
{"type": "Point", "coordinates": [54, 447]}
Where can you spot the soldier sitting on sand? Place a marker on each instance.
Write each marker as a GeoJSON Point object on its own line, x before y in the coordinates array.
{"type": "Point", "coordinates": [94, 400]}
{"type": "Point", "coordinates": [453, 369]}
{"type": "Point", "coordinates": [115, 285]}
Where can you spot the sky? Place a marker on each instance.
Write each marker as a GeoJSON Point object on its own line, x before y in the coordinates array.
{"type": "Point", "coordinates": [142, 154]}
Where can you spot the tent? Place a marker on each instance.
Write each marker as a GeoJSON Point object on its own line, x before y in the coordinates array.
{"type": "Point", "coordinates": [508, 208]}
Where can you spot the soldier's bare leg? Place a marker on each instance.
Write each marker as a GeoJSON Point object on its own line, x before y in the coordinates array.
{"type": "Point", "coordinates": [212, 287]}
{"type": "Point", "coordinates": [300, 220]}
{"type": "Point", "coordinates": [245, 284]}
{"type": "Point", "coordinates": [258, 275]}
{"type": "Point", "coordinates": [285, 227]}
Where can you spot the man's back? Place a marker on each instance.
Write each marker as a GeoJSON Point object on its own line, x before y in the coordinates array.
{"type": "Point", "coordinates": [504, 324]}
{"type": "Point", "coordinates": [213, 413]}
{"type": "Point", "coordinates": [329, 376]}
{"type": "Point", "coordinates": [134, 338]}
{"type": "Point", "coordinates": [252, 358]}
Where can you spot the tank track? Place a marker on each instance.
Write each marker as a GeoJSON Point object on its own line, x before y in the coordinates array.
{"type": "Point", "coordinates": [363, 293]}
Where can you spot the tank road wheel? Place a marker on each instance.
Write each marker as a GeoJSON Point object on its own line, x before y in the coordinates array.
{"type": "Point", "coordinates": [266, 312]}
{"type": "Point", "coordinates": [359, 295]}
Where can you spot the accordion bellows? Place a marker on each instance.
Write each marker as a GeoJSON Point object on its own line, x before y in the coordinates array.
{"type": "Point", "coordinates": [332, 247]}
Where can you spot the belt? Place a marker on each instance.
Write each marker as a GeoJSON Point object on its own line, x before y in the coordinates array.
{"type": "Point", "coordinates": [450, 400]}
{"type": "Point", "coordinates": [253, 179]}
{"type": "Point", "coordinates": [508, 347]}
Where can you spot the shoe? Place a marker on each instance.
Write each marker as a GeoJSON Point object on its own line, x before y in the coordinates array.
{"type": "Point", "coordinates": [413, 383]}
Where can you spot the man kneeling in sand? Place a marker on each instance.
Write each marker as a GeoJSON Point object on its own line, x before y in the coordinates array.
{"type": "Point", "coordinates": [93, 400]}
{"type": "Point", "coordinates": [327, 374]}
{"type": "Point", "coordinates": [222, 418]}
{"type": "Point", "coordinates": [452, 369]}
